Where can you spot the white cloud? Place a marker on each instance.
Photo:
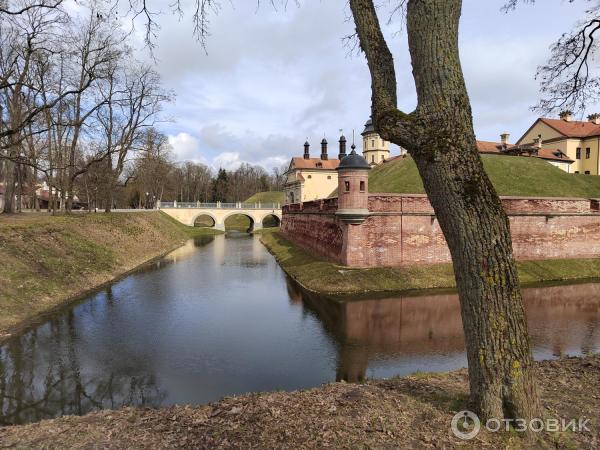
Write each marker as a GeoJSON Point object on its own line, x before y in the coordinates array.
{"type": "Point", "coordinates": [227, 160]}
{"type": "Point", "coordinates": [186, 147]}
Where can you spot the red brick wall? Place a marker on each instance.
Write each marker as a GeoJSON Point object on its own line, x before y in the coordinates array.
{"type": "Point", "coordinates": [320, 233]}
{"type": "Point", "coordinates": [402, 230]}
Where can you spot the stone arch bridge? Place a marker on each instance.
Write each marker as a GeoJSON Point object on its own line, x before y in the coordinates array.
{"type": "Point", "coordinates": [187, 213]}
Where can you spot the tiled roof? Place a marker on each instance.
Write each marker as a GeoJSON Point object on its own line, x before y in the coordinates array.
{"type": "Point", "coordinates": [543, 153]}
{"type": "Point", "coordinates": [573, 129]}
{"type": "Point", "coordinates": [488, 147]}
{"type": "Point", "coordinates": [314, 163]}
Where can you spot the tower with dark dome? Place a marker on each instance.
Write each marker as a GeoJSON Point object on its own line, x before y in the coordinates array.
{"type": "Point", "coordinates": [353, 188]}
{"type": "Point", "coordinates": [375, 149]}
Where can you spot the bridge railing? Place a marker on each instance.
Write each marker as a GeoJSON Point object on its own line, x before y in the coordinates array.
{"type": "Point", "coordinates": [218, 205]}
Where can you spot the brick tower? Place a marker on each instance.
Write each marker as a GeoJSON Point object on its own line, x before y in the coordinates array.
{"type": "Point", "coordinates": [353, 188]}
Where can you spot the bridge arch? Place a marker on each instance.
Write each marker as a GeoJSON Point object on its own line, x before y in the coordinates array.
{"type": "Point", "coordinates": [254, 222]}
{"type": "Point", "coordinates": [205, 213]}
{"type": "Point", "coordinates": [273, 215]}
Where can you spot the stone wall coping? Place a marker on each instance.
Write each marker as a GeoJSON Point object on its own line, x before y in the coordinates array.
{"type": "Point", "coordinates": [502, 197]}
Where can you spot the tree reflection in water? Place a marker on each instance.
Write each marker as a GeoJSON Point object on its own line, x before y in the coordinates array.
{"type": "Point", "coordinates": [41, 377]}
{"type": "Point", "coordinates": [562, 319]}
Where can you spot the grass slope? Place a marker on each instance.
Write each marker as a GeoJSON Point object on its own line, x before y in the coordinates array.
{"type": "Point", "coordinates": [327, 278]}
{"type": "Point", "coordinates": [47, 260]}
{"type": "Point", "coordinates": [510, 175]}
{"type": "Point", "coordinates": [266, 197]}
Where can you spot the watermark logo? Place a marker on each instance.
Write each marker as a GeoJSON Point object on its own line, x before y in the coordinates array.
{"type": "Point", "coordinates": [466, 425]}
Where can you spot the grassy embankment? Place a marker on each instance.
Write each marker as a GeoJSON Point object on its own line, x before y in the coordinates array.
{"type": "Point", "coordinates": [48, 260]}
{"type": "Point", "coordinates": [328, 278]}
{"type": "Point", "coordinates": [510, 175]}
{"type": "Point", "coordinates": [240, 222]}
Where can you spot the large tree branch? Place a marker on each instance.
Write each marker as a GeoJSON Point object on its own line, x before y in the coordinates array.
{"type": "Point", "coordinates": [391, 123]}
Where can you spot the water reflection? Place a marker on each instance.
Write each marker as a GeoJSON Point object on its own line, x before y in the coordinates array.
{"type": "Point", "coordinates": [43, 375]}
{"type": "Point", "coordinates": [562, 320]}
{"type": "Point", "coordinates": [218, 317]}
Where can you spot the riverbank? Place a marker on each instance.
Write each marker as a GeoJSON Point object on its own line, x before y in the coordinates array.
{"type": "Point", "coordinates": [48, 261]}
{"type": "Point", "coordinates": [407, 412]}
{"type": "Point", "coordinates": [323, 277]}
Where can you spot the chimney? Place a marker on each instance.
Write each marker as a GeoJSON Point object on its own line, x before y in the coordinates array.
{"type": "Point", "coordinates": [324, 149]}
{"type": "Point", "coordinates": [306, 150]}
{"type": "Point", "coordinates": [566, 115]}
{"type": "Point", "coordinates": [594, 118]}
{"type": "Point", "coordinates": [504, 138]}
{"type": "Point", "coordinates": [342, 148]}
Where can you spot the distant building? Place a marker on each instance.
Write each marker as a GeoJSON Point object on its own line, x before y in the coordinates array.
{"type": "Point", "coordinates": [314, 178]}
{"type": "Point", "coordinates": [375, 149]}
{"type": "Point", "coordinates": [548, 153]}
{"type": "Point", "coordinates": [578, 140]}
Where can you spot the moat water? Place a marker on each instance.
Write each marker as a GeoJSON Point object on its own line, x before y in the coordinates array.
{"type": "Point", "coordinates": [219, 317]}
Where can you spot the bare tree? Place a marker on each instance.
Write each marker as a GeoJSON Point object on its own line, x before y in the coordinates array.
{"type": "Point", "coordinates": [133, 100]}
{"type": "Point", "coordinates": [568, 80]}
{"type": "Point", "coordinates": [439, 136]}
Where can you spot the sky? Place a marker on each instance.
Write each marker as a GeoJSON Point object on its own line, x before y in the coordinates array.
{"type": "Point", "coordinates": [271, 79]}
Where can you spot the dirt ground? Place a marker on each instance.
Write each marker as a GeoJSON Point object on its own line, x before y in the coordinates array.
{"type": "Point", "coordinates": [408, 412]}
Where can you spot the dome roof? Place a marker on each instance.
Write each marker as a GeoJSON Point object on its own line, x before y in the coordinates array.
{"type": "Point", "coordinates": [353, 161]}
{"type": "Point", "coordinates": [369, 128]}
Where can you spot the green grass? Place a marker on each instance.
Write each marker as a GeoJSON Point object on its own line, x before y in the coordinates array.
{"type": "Point", "coordinates": [266, 197]}
{"type": "Point", "coordinates": [47, 260]}
{"type": "Point", "coordinates": [328, 278]}
{"type": "Point", "coordinates": [510, 175]}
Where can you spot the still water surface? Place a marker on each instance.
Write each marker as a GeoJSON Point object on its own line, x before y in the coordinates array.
{"type": "Point", "coordinates": [219, 317]}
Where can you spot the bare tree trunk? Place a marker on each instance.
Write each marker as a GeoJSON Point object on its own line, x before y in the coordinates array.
{"type": "Point", "coordinates": [439, 136]}
{"type": "Point", "coordinates": [9, 193]}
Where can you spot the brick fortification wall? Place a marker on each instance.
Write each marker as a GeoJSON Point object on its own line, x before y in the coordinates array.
{"type": "Point", "coordinates": [402, 230]}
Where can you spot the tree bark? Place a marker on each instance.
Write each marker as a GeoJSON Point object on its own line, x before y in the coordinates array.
{"type": "Point", "coordinates": [439, 136]}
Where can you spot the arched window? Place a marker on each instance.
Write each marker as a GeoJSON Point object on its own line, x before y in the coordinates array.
{"type": "Point", "coordinates": [347, 186]}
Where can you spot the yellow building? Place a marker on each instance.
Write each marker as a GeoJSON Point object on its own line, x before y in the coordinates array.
{"type": "Point", "coordinates": [312, 178]}
{"type": "Point", "coordinates": [315, 178]}
{"type": "Point", "coordinates": [375, 149]}
{"type": "Point", "coordinates": [579, 140]}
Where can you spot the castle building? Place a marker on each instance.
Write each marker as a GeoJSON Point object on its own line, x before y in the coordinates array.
{"type": "Point", "coordinates": [315, 178]}
{"type": "Point", "coordinates": [312, 178]}
{"type": "Point", "coordinates": [579, 141]}
{"type": "Point", "coordinates": [375, 149]}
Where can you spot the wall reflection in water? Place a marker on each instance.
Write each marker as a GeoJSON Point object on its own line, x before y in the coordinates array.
{"type": "Point", "coordinates": [562, 320]}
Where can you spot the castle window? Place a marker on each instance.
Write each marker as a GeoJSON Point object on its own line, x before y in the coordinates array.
{"type": "Point", "coordinates": [329, 177]}
{"type": "Point", "coordinates": [587, 172]}
{"type": "Point", "coordinates": [347, 186]}
{"type": "Point", "coordinates": [362, 186]}
{"type": "Point", "coordinates": [373, 143]}
{"type": "Point", "coordinates": [310, 176]}
{"type": "Point", "coordinates": [373, 158]}
{"type": "Point", "coordinates": [577, 171]}
{"type": "Point", "coordinates": [587, 153]}
{"type": "Point", "coordinates": [578, 153]}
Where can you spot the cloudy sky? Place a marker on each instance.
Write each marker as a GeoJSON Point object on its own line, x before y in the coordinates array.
{"type": "Point", "coordinates": [271, 79]}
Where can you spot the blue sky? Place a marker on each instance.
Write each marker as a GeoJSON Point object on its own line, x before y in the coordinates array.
{"type": "Point", "coordinates": [271, 79]}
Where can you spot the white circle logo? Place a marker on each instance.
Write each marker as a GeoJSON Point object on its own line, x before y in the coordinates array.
{"type": "Point", "coordinates": [465, 425]}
